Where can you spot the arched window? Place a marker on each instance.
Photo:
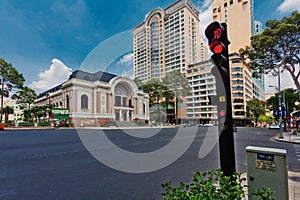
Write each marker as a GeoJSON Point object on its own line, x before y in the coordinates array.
{"type": "Point", "coordinates": [84, 101]}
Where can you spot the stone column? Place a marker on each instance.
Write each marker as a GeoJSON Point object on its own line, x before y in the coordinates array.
{"type": "Point", "coordinates": [73, 99]}
{"type": "Point", "coordinates": [108, 103]}
{"type": "Point", "coordinates": [121, 115]}
{"type": "Point", "coordinates": [98, 102]}
{"type": "Point", "coordinates": [127, 113]}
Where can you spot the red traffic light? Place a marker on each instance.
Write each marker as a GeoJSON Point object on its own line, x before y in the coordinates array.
{"type": "Point", "coordinates": [216, 47]}
{"type": "Point", "coordinates": [216, 31]}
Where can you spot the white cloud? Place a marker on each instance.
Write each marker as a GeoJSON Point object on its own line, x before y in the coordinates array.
{"type": "Point", "coordinates": [56, 74]}
{"type": "Point", "coordinates": [205, 20]}
{"type": "Point", "coordinates": [205, 15]}
{"type": "Point", "coordinates": [204, 5]}
{"type": "Point", "coordinates": [127, 59]}
{"type": "Point", "coordinates": [289, 5]}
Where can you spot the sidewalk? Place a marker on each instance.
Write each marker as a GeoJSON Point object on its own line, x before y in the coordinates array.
{"type": "Point", "coordinates": [288, 137]}
{"type": "Point", "coordinates": [18, 128]}
{"type": "Point", "coordinates": [294, 177]}
{"type": "Point", "coordinates": [293, 181]}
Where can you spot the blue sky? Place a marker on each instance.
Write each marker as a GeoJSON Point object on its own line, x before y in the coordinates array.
{"type": "Point", "coordinates": [46, 40]}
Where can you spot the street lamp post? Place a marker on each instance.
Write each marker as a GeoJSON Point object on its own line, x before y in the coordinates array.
{"type": "Point", "coordinates": [279, 102]}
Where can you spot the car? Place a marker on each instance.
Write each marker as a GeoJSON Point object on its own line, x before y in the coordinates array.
{"type": "Point", "coordinates": [208, 125]}
{"type": "Point", "coordinates": [274, 126]}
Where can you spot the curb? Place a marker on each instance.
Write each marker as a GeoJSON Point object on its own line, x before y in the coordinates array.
{"type": "Point", "coordinates": [28, 128]}
{"type": "Point", "coordinates": [276, 137]}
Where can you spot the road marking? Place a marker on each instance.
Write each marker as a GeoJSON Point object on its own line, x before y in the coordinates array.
{"type": "Point", "coordinates": [298, 159]}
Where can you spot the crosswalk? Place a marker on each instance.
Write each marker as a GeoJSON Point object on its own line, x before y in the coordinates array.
{"type": "Point", "coordinates": [297, 151]}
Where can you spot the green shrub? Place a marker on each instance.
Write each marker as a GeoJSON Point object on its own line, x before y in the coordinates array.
{"type": "Point", "coordinates": [7, 124]}
{"type": "Point", "coordinates": [26, 124]}
{"type": "Point", "coordinates": [263, 194]}
{"type": "Point", "coordinates": [44, 124]}
{"type": "Point", "coordinates": [212, 185]}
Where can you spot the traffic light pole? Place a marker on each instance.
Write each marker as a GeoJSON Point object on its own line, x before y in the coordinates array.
{"type": "Point", "coordinates": [226, 141]}
{"type": "Point", "coordinates": [218, 41]}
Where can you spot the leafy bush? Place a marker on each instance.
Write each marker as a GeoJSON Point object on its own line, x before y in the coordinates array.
{"type": "Point", "coordinates": [26, 124]}
{"type": "Point", "coordinates": [7, 124]}
{"type": "Point", "coordinates": [212, 185]}
{"type": "Point", "coordinates": [263, 194]}
{"type": "Point", "coordinates": [43, 124]}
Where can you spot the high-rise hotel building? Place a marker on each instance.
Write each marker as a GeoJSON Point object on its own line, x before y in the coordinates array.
{"type": "Point", "coordinates": [168, 40]}
{"type": "Point", "coordinates": [239, 16]}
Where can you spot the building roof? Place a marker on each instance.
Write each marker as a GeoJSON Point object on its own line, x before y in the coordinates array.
{"type": "Point", "coordinates": [98, 76]}
{"type": "Point", "coordinates": [49, 91]}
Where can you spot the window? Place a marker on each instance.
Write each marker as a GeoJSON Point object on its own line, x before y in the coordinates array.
{"type": "Point", "coordinates": [236, 61]}
{"type": "Point", "coordinates": [124, 101]}
{"type": "Point", "coordinates": [118, 101]}
{"type": "Point", "coordinates": [84, 101]}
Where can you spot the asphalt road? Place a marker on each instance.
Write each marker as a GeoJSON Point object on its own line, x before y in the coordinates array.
{"type": "Point", "coordinates": [55, 164]}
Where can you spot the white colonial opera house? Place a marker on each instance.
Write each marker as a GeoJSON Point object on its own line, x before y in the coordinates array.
{"type": "Point", "coordinates": [96, 99]}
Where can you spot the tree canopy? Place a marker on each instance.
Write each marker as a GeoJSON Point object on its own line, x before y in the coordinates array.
{"type": "Point", "coordinates": [26, 96]}
{"type": "Point", "coordinates": [10, 79]}
{"type": "Point", "coordinates": [290, 97]}
{"type": "Point", "coordinates": [178, 83]}
{"type": "Point", "coordinates": [158, 92]}
{"type": "Point", "coordinates": [277, 48]}
{"type": "Point", "coordinates": [255, 109]}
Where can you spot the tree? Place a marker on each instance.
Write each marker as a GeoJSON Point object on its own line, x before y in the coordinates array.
{"type": "Point", "coordinates": [255, 109]}
{"type": "Point", "coordinates": [277, 48]}
{"type": "Point", "coordinates": [266, 119]}
{"type": "Point", "coordinates": [7, 110]}
{"type": "Point", "coordinates": [137, 81]}
{"type": "Point", "coordinates": [26, 96]}
{"type": "Point", "coordinates": [10, 79]}
{"type": "Point", "coordinates": [158, 93]}
{"type": "Point", "coordinates": [290, 97]}
{"type": "Point", "coordinates": [178, 83]}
